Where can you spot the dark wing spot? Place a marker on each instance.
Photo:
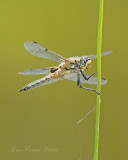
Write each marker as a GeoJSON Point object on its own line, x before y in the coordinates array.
{"type": "Point", "coordinates": [46, 49]}
{"type": "Point", "coordinates": [34, 42]}
{"type": "Point", "coordinates": [53, 70]}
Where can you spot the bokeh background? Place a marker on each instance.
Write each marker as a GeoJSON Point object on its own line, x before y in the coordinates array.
{"type": "Point", "coordinates": [45, 118]}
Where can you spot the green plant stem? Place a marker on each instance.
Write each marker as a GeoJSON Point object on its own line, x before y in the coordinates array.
{"type": "Point", "coordinates": [99, 44]}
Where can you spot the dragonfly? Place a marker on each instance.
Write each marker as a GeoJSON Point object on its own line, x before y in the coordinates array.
{"type": "Point", "coordinates": [73, 68]}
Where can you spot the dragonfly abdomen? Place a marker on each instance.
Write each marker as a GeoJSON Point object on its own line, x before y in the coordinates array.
{"type": "Point", "coordinates": [43, 81]}
{"type": "Point", "coordinates": [33, 85]}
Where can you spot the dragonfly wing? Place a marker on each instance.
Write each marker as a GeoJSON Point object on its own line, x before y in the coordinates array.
{"type": "Point", "coordinates": [36, 71]}
{"type": "Point", "coordinates": [92, 80]}
{"type": "Point", "coordinates": [37, 50]}
{"type": "Point", "coordinates": [102, 54]}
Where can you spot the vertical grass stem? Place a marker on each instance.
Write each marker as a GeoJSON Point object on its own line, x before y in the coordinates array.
{"type": "Point", "coordinates": [99, 44]}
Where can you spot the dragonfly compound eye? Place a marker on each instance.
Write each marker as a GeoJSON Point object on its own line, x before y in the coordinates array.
{"type": "Point", "coordinates": [83, 61]}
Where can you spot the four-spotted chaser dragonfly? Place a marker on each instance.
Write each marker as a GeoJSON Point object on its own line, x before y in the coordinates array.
{"type": "Point", "coordinates": [69, 68]}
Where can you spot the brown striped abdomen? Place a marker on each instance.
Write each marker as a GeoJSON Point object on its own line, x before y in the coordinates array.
{"type": "Point", "coordinates": [43, 81]}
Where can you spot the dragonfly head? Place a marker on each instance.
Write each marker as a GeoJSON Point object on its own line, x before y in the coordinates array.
{"type": "Point", "coordinates": [85, 62]}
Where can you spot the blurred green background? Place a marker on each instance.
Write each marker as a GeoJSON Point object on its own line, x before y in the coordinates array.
{"type": "Point", "coordinates": [45, 118]}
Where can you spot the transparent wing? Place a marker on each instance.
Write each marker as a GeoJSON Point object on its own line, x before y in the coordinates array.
{"type": "Point", "coordinates": [37, 50]}
{"type": "Point", "coordinates": [102, 54]}
{"type": "Point", "coordinates": [36, 71]}
{"type": "Point", "coordinates": [92, 80]}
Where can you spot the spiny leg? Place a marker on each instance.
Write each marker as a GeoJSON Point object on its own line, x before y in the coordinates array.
{"type": "Point", "coordinates": [78, 66]}
{"type": "Point", "coordinates": [78, 80]}
{"type": "Point", "coordinates": [85, 75]}
{"type": "Point", "coordinates": [79, 84]}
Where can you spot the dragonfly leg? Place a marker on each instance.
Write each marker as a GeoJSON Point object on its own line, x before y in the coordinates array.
{"type": "Point", "coordinates": [79, 85]}
{"type": "Point", "coordinates": [89, 89]}
{"type": "Point", "coordinates": [85, 75]}
{"type": "Point", "coordinates": [78, 80]}
{"type": "Point", "coordinates": [77, 65]}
